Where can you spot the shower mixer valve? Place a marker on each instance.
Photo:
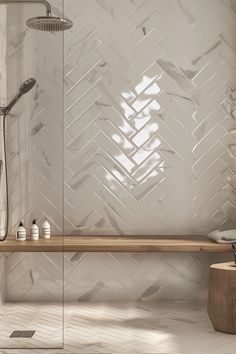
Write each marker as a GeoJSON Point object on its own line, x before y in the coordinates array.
{"type": "Point", "coordinates": [234, 251]}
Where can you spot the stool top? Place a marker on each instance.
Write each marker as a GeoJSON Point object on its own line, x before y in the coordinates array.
{"type": "Point", "coordinates": [224, 266]}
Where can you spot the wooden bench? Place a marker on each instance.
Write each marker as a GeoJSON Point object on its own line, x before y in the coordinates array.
{"type": "Point", "coordinates": [163, 243]}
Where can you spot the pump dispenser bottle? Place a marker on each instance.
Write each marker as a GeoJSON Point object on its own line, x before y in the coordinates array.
{"type": "Point", "coordinates": [21, 232]}
{"type": "Point", "coordinates": [34, 231]}
{"type": "Point", "coordinates": [46, 230]}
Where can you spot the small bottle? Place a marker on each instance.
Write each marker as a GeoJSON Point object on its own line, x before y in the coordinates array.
{"type": "Point", "coordinates": [34, 231]}
{"type": "Point", "coordinates": [46, 230]}
{"type": "Point", "coordinates": [21, 232]}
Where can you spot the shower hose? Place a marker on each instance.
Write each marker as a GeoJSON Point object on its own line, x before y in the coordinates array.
{"type": "Point", "coordinates": [6, 179]}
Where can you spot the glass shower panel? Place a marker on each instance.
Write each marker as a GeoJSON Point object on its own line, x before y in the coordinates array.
{"type": "Point", "coordinates": [31, 298]}
{"type": "Point", "coordinates": [3, 97]}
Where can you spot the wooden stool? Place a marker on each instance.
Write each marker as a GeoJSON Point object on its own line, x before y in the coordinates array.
{"type": "Point", "coordinates": [222, 297]}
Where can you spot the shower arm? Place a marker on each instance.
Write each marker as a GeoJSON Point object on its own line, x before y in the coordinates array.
{"type": "Point", "coordinates": [44, 2]}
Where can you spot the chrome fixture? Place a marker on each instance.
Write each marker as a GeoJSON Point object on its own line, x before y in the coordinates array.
{"type": "Point", "coordinates": [46, 23]}
{"type": "Point", "coordinates": [234, 251]}
{"type": "Point", "coordinates": [4, 111]}
{"type": "Point", "coordinates": [49, 23]}
{"type": "Point", "coordinates": [24, 88]}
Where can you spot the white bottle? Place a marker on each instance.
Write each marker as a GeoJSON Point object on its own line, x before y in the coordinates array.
{"type": "Point", "coordinates": [21, 232]}
{"type": "Point", "coordinates": [46, 230]}
{"type": "Point", "coordinates": [34, 231]}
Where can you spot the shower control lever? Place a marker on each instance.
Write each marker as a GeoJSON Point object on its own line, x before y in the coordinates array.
{"type": "Point", "coordinates": [234, 251]}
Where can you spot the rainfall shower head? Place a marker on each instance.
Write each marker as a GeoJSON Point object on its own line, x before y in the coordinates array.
{"type": "Point", "coordinates": [24, 88]}
{"type": "Point", "coordinates": [49, 23]}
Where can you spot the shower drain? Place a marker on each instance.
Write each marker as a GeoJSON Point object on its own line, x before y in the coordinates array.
{"type": "Point", "coordinates": [22, 334]}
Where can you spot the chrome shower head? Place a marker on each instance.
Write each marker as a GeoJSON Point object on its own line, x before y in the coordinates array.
{"type": "Point", "coordinates": [27, 86]}
{"type": "Point", "coordinates": [49, 23]}
{"type": "Point", "coordinates": [24, 88]}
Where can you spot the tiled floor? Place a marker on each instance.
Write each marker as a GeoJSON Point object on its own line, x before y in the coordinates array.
{"type": "Point", "coordinates": [128, 328]}
{"type": "Point", "coordinates": [46, 320]}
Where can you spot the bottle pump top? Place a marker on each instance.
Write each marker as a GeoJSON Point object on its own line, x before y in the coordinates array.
{"type": "Point", "coordinates": [21, 232]}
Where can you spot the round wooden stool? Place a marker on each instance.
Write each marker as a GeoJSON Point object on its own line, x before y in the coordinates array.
{"type": "Point", "coordinates": [222, 297]}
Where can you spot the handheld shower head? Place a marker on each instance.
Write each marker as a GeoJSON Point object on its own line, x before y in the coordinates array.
{"type": "Point", "coordinates": [27, 86]}
{"type": "Point", "coordinates": [24, 88]}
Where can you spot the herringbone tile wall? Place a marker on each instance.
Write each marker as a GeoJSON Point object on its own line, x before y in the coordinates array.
{"type": "Point", "coordinates": [149, 141]}
{"type": "Point", "coordinates": [150, 116]}
{"type": "Point", "coordinates": [108, 276]}
{"type": "Point", "coordinates": [3, 49]}
{"type": "Point", "coordinates": [2, 279]}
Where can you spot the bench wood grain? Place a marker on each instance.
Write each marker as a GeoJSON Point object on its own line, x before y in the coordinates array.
{"type": "Point", "coordinates": [177, 243]}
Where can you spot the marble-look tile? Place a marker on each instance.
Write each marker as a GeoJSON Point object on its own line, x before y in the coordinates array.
{"type": "Point", "coordinates": [45, 320]}
{"type": "Point", "coordinates": [34, 277]}
{"type": "Point", "coordinates": [108, 276]}
{"type": "Point", "coordinates": [149, 138]}
{"type": "Point", "coordinates": [127, 328]}
{"type": "Point", "coordinates": [169, 113]}
{"type": "Point", "coordinates": [3, 49]}
{"type": "Point", "coordinates": [2, 280]}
